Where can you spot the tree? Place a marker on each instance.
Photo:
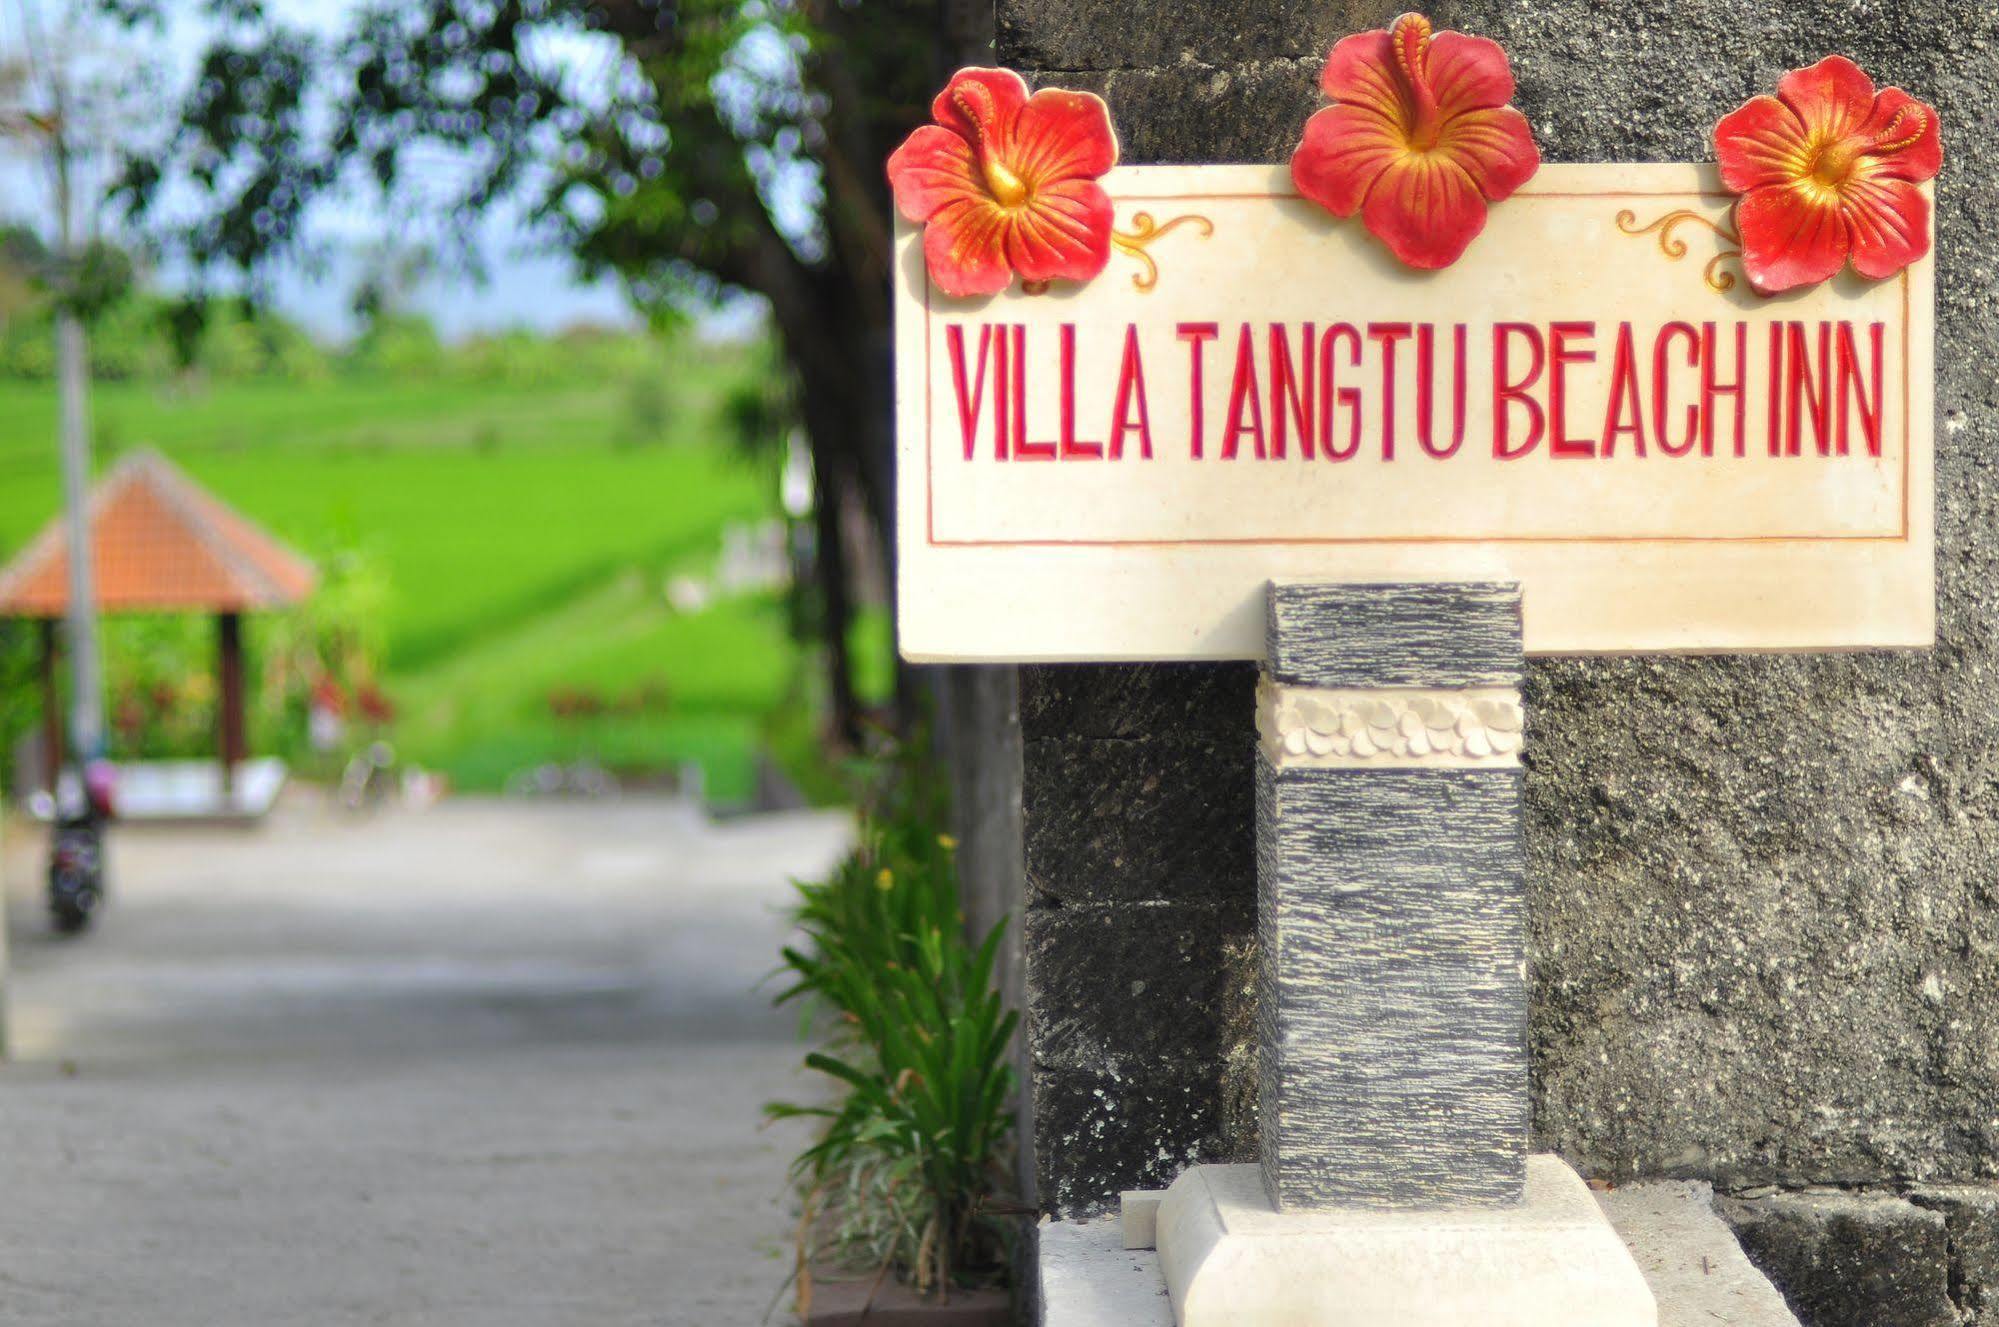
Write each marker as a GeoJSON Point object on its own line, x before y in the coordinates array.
{"type": "Point", "coordinates": [691, 147]}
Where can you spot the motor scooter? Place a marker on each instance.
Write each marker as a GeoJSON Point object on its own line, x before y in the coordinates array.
{"type": "Point", "coordinates": [76, 848]}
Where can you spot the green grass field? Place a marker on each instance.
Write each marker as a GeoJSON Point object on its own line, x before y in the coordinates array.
{"type": "Point", "coordinates": [525, 529]}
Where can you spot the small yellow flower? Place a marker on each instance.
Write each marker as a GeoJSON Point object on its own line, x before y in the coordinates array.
{"type": "Point", "coordinates": [886, 880]}
{"type": "Point", "coordinates": [947, 843]}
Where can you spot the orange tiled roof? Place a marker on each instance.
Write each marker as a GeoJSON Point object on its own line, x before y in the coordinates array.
{"type": "Point", "coordinates": [158, 544]}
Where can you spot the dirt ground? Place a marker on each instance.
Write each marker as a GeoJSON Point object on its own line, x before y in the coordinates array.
{"type": "Point", "coordinates": [491, 1063]}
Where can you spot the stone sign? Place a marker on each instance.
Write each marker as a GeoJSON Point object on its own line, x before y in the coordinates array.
{"type": "Point", "coordinates": [1593, 402]}
{"type": "Point", "coordinates": [1386, 421]}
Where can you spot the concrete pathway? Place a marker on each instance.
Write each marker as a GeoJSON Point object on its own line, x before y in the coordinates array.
{"type": "Point", "coordinates": [492, 1063]}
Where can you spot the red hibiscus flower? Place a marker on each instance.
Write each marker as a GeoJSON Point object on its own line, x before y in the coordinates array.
{"type": "Point", "coordinates": [1827, 170]}
{"type": "Point", "coordinates": [1419, 138]}
{"type": "Point", "coordinates": [1006, 185]}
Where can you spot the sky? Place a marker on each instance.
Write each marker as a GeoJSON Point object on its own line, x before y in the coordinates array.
{"type": "Point", "coordinates": [525, 285]}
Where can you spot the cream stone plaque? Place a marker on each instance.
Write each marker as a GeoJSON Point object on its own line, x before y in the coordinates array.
{"type": "Point", "coordinates": [1591, 402]}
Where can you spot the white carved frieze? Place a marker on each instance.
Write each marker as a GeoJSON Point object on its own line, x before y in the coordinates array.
{"type": "Point", "coordinates": [1389, 727]}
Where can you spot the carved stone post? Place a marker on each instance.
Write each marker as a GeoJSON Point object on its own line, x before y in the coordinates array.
{"type": "Point", "coordinates": [1394, 1184]}
{"type": "Point", "coordinates": [1390, 898]}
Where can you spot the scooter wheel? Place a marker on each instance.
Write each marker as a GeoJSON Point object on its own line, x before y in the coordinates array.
{"type": "Point", "coordinates": [73, 912]}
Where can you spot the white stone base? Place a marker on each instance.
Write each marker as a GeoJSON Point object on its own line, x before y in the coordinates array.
{"type": "Point", "coordinates": [1231, 1260]}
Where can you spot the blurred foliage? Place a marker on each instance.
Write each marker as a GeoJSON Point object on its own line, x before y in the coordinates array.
{"type": "Point", "coordinates": [911, 1163]}
{"type": "Point", "coordinates": [161, 679]}
{"type": "Point", "coordinates": [98, 277]}
{"type": "Point", "coordinates": [20, 686]}
{"type": "Point", "coordinates": [517, 546]}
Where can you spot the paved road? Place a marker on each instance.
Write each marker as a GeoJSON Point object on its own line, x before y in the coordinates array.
{"type": "Point", "coordinates": [490, 1064]}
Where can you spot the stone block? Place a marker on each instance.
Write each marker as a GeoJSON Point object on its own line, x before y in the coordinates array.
{"type": "Point", "coordinates": [1694, 1264]}
{"type": "Point", "coordinates": [1139, 820]}
{"type": "Point", "coordinates": [1971, 1229]}
{"type": "Point", "coordinates": [1687, 1255]}
{"type": "Point", "coordinates": [1105, 35]}
{"type": "Point", "coordinates": [1082, 701]}
{"type": "Point", "coordinates": [1392, 1003]}
{"type": "Point", "coordinates": [1425, 635]}
{"type": "Point", "coordinates": [1847, 1260]}
{"type": "Point", "coordinates": [1193, 112]}
{"type": "Point", "coordinates": [1087, 1278]}
{"type": "Point", "coordinates": [1098, 1132]}
{"type": "Point", "coordinates": [1230, 1259]}
{"type": "Point", "coordinates": [1126, 986]}
{"type": "Point", "coordinates": [1138, 1217]}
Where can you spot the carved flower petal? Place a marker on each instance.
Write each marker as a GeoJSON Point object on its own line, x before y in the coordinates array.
{"type": "Point", "coordinates": [1833, 98]}
{"type": "Point", "coordinates": [1425, 209]}
{"type": "Point", "coordinates": [1344, 151]}
{"type": "Point", "coordinates": [981, 102]}
{"type": "Point", "coordinates": [1065, 232]}
{"type": "Point", "coordinates": [933, 167]}
{"type": "Point", "coordinates": [1494, 146]}
{"type": "Point", "coordinates": [1468, 73]}
{"type": "Point", "coordinates": [1888, 222]}
{"type": "Point", "coordinates": [1918, 160]}
{"type": "Point", "coordinates": [1761, 142]}
{"type": "Point", "coordinates": [1790, 237]}
{"type": "Point", "coordinates": [1062, 134]}
{"type": "Point", "coordinates": [1361, 72]}
{"type": "Point", "coordinates": [964, 246]}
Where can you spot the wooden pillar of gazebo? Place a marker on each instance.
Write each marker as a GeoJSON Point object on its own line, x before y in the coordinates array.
{"type": "Point", "coordinates": [231, 744]}
{"type": "Point", "coordinates": [51, 707]}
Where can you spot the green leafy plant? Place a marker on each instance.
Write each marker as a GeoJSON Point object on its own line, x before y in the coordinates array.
{"type": "Point", "coordinates": [910, 1167]}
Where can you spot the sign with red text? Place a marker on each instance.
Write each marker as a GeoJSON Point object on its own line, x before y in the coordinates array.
{"type": "Point", "coordinates": [1591, 402]}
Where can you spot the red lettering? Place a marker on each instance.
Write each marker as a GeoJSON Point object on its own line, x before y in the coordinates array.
{"type": "Point", "coordinates": [1506, 391]}
{"type": "Point", "coordinates": [1130, 390]}
{"type": "Point", "coordinates": [1197, 336]}
{"type": "Point", "coordinates": [1426, 374]}
{"type": "Point", "coordinates": [1802, 395]}
{"type": "Point", "coordinates": [1661, 385]}
{"type": "Point", "coordinates": [1330, 393]}
{"type": "Point", "coordinates": [1387, 334]}
{"type": "Point", "coordinates": [969, 400]}
{"type": "Point", "coordinates": [1073, 448]}
{"type": "Point", "coordinates": [1290, 391]}
{"type": "Point", "coordinates": [1560, 444]}
{"type": "Point", "coordinates": [1624, 414]}
{"type": "Point", "coordinates": [1002, 396]}
{"type": "Point", "coordinates": [1023, 450]}
{"type": "Point", "coordinates": [1775, 412]}
{"type": "Point", "coordinates": [1245, 401]}
{"type": "Point", "coordinates": [1712, 387]}
{"type": "Point", "coordinates": [1850, 390]}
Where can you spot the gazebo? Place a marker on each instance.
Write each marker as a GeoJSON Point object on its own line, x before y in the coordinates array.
{"type": "Point", "coordinates": [161, 544]}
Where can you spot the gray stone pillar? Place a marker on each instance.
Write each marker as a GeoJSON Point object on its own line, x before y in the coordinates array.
{"type": "Point", "coordinates": [1394, 1184]}
{"type": "Point", "coordinates": [1392, 1007]}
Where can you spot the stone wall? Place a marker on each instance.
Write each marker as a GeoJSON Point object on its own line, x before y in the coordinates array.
{"type": "Point", "coordinates": [1138, 800]}
{"type": "Point", "coordinates": [1765, 891]}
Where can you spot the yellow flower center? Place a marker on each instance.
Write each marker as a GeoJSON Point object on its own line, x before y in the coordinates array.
{"type": "Point", "coordinates": [1834, 162]}
{"type": "Point", "coordinates": [975, 103]}
{"type": "Point", "coordinates": [1410, 42]}
{"type": "Point", "coordinates": [1007, 189]}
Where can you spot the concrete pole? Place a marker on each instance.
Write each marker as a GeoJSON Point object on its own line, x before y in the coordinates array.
{"type": "Point", "coordinates": [72, 364]}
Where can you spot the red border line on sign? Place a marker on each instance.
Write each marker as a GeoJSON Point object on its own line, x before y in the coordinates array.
{"type": "Point", "coordinates": [929, 437]}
